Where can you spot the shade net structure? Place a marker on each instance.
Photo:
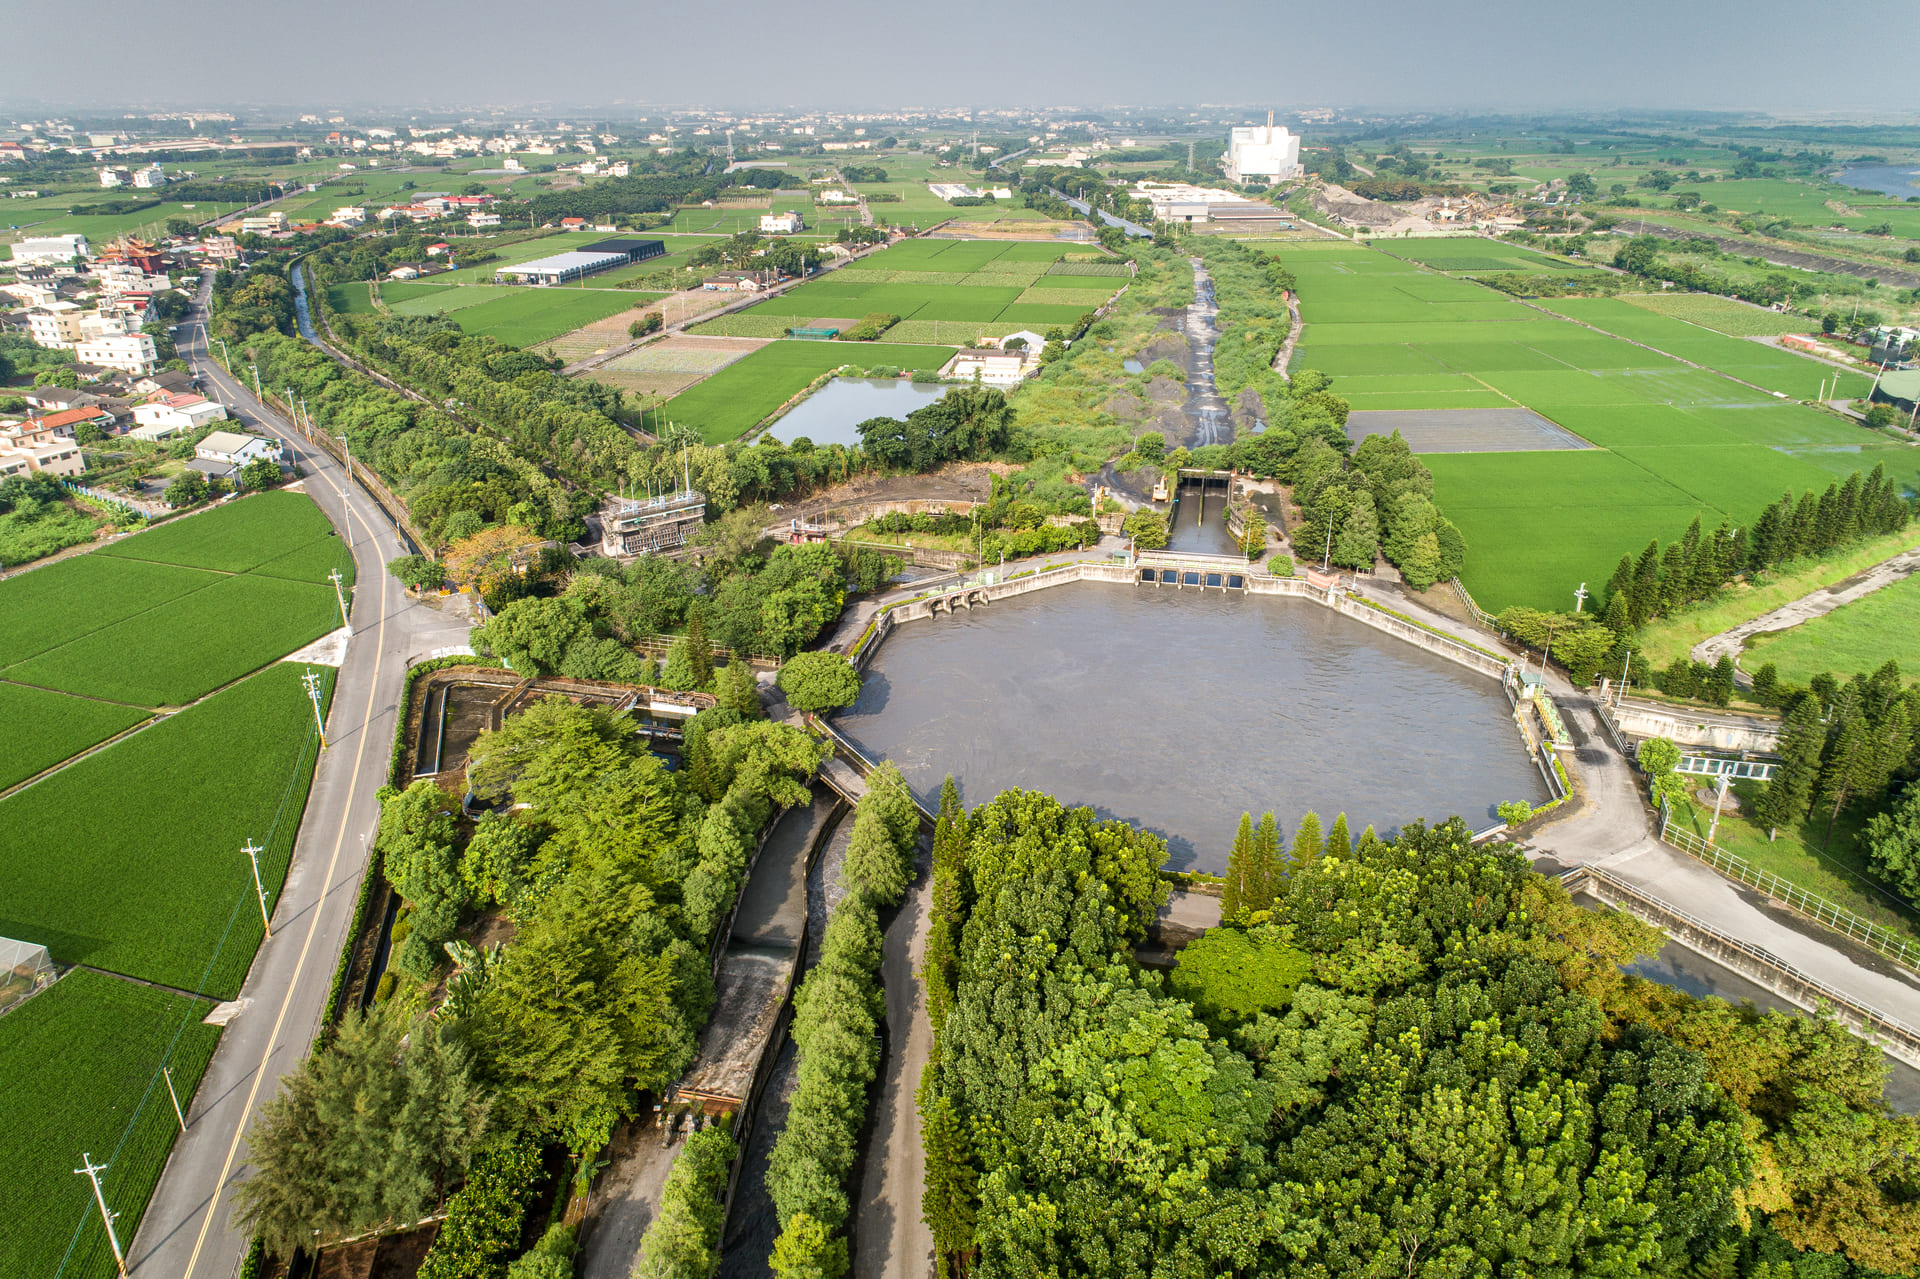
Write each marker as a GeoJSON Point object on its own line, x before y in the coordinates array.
{"type": "Point", "coordinates": [24, 968]}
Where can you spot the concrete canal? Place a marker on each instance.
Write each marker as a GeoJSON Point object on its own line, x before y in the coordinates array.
{"type": "Point", "coordinates": [1178, 710]}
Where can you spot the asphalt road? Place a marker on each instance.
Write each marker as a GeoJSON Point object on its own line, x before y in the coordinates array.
{"type": "Point", "coordinates": [185, 1233]}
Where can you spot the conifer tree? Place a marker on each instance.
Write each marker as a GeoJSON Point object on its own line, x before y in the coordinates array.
{"type": "Point", "coordinates": [1339, 843]}
{"type": "Point", "coordinates": [1306, 843]}
{"type": "Point", "coordinates": [1269, 878]}
{"type": "Point", "coordinates": [1617, 618]}
{"type": "Point", "coordinates": [940, 968]}
{"type": "Point", "coordinates": [1234, 896]}
{"type": "Point", "coordinates": [1620, 585]}
{"type": "Point", "coordinates": [739, 691]}
{"type": "Point", "coordinates": [1645, 600]}
{"type": "Point", "coordinates": [952, 1184]}
{"type": "Point", "coordinates": [699, 648]}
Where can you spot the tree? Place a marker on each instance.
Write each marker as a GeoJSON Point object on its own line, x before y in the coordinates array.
{"type": "Point", "coordinates": [952, 1183]}
{"type": "Point", "coordinates": [416, 572]}
{"type": "Point", "coordinates": [261, 473]}
{"type": "Point", "coordinates": [682, 1241]}
{"type": "Point", "coordinates": [532, 635]}
{"type": "Point", "coordinates": [1147, 528]}
{"type": "Point", "coordinates": [1515, 812]}
{"type": "Point", "coordinates": [551, 1258]}
{"type": "Point", "coordinates": [1306, 844]}
{"type": "Point", "coordinates": [1234, 895]}
{"type": "Point", "coordinates": [816, 682]}
{"type": "Point", "coordinates": [371, 1128]}
{"type": "Point", "coordinates": [1339, 843]}
{"type": "Point", "coordinates": [806, 1249]}
{"type": "Point", "coordinates": [186, 489]}
{"type": "Point", "coordinates": [648, 323]}
{"type": "Point", "coordinates": [1253, 538]}
{"type": "Point", "coordinates": [740, 691]}
{"type": "Point", "coordinates": [1893, 845]}
{"type": "Point", "coordinates": [1230, 975]}
{"type": "Point", "coordinates": [1357, 542]}
{"type": "Point", "coordinates": [699, 647]}
{"type": "Point", "coordinates": [677, 674]}
{"type": "Point", "coordinates": [1267, 877]}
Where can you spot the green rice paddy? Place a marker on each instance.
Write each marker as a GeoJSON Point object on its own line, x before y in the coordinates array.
{"type": "Point", "coordinates": [1674, 441]}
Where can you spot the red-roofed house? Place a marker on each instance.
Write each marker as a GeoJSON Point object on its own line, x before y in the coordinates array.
{"type": "Point", "coordinates": [175, 413]}
{"type": "Point", "coordinates": [572, 224]}
{"type": "Point", "coordinates": [64, 422]}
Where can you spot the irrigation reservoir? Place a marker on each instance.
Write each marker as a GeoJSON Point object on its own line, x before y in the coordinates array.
{"type": "Point", "coordinates": [1179, 710]}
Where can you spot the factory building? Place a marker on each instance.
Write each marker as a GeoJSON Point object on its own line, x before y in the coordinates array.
{"type": "Point", "coordinates": [1257, 153]}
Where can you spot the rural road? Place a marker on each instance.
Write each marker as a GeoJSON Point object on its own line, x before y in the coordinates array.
{"type": "Point", "coordinates": [1809, 606]}
{"type": "Point", "coordinates": [185, 1232]}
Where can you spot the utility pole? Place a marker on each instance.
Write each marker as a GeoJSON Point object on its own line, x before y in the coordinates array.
{"type": "Point", "coordinates": [257, 393]}
{"type": "Point", "coordinates": [1720, 795]}
{"type": "Point", "coordinates": [91, 1171]}
{"type": "Point", "coordinates": [1326, 561]}
{"type": "Point", "coordinates": [312, 684]}
{"type": "Point", "coordinates": [253, 855]}
{"type": "Point", "coordinates": [1626, 665]}
{"type": "Point", "coordinates": [167, 1072]}
{"type": "Point", "coordinates": [340, 595]}
{"type": "Point", "coordinates": [1580, 598]}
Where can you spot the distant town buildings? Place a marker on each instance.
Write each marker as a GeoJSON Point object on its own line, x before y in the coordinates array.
{"type": "Point", "coordinates": [49, 248]}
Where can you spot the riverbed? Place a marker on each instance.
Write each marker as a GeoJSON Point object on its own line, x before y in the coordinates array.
{"type": "Point", "coordinates": [1178, 710]}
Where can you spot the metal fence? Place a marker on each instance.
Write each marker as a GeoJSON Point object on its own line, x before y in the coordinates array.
{"type": "Point", "coordinates": [1822, 911]}
{"type": "Point", "coordinates": [1480, 615]}
{"type": "Point", "coordinates": [1892, 1034]}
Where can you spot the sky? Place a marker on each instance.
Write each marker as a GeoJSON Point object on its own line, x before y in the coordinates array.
{"type": "Point", "coordinates": [1762, 55]}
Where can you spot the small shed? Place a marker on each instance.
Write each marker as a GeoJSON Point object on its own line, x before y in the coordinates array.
{"type": "Point", "coordinates": [25, 967]}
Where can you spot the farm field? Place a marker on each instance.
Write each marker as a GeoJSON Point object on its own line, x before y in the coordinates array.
{"type": "Point", "coordinates": [1722, 315]}
{"type": "Point", "coordinates": [980, 287]}
{"type": "Point", "coordinates": [42, 727]}
{"type": "Point", "coordinates": [1473, 253]}
{"type": "Point", "coordinates": [526, 317]}
{"type": "Point", "coordinates": [129, 860]}
{"type": "Point", "coordinates": [735, 399]}
{"type": "Point", "coordinates": [1854, 637]}
{"type": "Point", "coordinates": [80, 1072]}
{"type": "Point", "coordinates": [1674, 442]}
{"type": "Point", "coordinates": [202, 600]}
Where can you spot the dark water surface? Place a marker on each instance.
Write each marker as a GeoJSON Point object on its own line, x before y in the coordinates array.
{"type": "Point", "coordinates": [1199, 522]}
{"type": "Point", "coordinates": [1699, 976]}
{"type": "Point", "coordinates": [1178, 710]}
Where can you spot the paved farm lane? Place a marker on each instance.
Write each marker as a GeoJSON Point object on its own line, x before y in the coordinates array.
{"type": "Point", "coordinates": [185, 1232]}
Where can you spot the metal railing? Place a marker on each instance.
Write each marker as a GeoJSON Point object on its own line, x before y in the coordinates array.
{"type": "Point", "coordinates": [1892, 1033]}
{"type": "Point", "coordinates": [1712, 766]}
{"type": "Point", "coordinates": [1820, 910]}
{"type": "Point", "coordinates": [1480, 615]}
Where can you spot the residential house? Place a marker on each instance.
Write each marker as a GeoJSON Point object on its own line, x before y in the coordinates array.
{"type": "Point", "coordinates": [263, 223]}
{"type": "Point", "coordinates": [347, 215]}
{"type": "Point", "coordinates": [223, 453]}
{"type": "Point", "coordinates": [112, 177]}
{"type": "Point", "coordinates": [150, 177]}
{"type": "Point", "coordinates": [56, 325]}
{"type": "Point", "coordinates": [32, 446]}
{"type": "Point", "coordinates": [172, 381]}
{"type": "Point", "coordinates": [49, 248]}
{"type": "Point", "coordinates": [483, 219]}
{"type": "Point", "coordinates": [439, 249]}
{"type": "Point", "coordinates": [129, 352]}
{"type": "Point", "coordinates": [740, 281]}
{"type": "Point", "coordinates": [788, 223]}
{"type": "Point", "coordinates": [174, 413]}
{"type": "Point", "coordinates": [31, 292]}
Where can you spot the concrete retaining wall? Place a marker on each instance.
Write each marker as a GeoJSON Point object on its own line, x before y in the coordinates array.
{"type": "Point", "coordinates": [1453, 650]}
{"type": "Point", "coordinates": [1717, 730]}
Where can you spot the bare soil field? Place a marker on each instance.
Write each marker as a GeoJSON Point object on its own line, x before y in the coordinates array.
{"type": "Point", "coordinates": [673, 364]}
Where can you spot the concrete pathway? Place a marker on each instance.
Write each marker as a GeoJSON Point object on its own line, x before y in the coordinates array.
{"type": "Point", "coordinates": [1809, 606]}
{"type": "Point", "coordinates": [890, 1239]}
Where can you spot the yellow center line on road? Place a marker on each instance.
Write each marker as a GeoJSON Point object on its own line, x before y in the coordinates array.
{"type": "Point", "coordinates": [313, 926]}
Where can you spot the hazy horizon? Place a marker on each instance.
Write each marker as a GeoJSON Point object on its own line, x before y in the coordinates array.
{"type": "Point", "coordinates": [1393, 56]}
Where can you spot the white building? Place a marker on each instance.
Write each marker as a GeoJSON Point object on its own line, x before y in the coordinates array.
{"type": "Point", "coordinates": [1257, 153]}
{"type": "Point", "coordinates": [31, 292]}
{"type": "Point", "coordinates": [477, 219]}
{"type": "Point", "coordinates": [347, 215]}
{"type": "Point", "coordinates": [235, 449]}
{"type": "Point", "coordinates": [128, 352]}
{"type": "Point", "coordinates": [264, 223]}
{"type": "Point", "coordinates": [166, 415]}
{"type": "Point", "coordinates": [782, 223]}
{"type": "Point", "coordinates": [112, 177]}
{"type": "Point", "coordinates": [994, 368]}
{"type": "Point", "coordinates": [56, 325]}
{"type": "Point", "coordinates": [50, 248]}
{"type": "Point", "coordinates": [150, 177]}
{"type": "Point", "coordinates": [24, 449]}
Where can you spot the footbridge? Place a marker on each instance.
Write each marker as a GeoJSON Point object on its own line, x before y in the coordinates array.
{"type": "Point", "coordinates": [1738, 770]}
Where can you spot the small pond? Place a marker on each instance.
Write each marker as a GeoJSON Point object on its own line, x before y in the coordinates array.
{"type": "Point", "coordinates": [829, 415]}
